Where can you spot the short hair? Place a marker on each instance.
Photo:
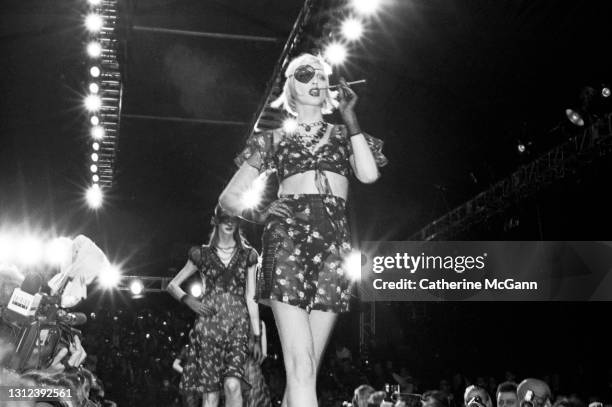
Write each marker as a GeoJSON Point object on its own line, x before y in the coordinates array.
{"type": "Point", "coordinates": [506, 387]}
{"type": "Point", "coordinates": [287, 98]}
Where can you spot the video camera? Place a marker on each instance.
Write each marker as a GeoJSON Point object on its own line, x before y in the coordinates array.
{"type": "Point", "coordinates": [36, 326]}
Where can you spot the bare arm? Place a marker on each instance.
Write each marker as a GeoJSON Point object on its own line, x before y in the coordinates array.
{"type": "Point", "coordinates": [231, 197]}
{"type": "Point", "coordinates": [250, 300]}
{"type": "Point", "coordinates": [264, 340]}
{"type": "Point", "coordinates": [362, 160]}
{"type": "Point", "coordinates": [174, 287]}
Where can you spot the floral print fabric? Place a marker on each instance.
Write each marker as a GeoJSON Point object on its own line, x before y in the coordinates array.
{"type": "Point", "coordinates": [218, 346]}
{"type": "Point", "coordinates": [303, 255]}
{"type": "Point", "coordinates": [219, 278]}
{"type": "Point", "coordinates": [218, 343]}
{"type": "Point", "coordinates": [289, 157]}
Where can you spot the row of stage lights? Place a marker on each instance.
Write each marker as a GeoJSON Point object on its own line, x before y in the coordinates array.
{"type": "Point", "coordinates": [348, 29]}
{"type": "Point", "coordinates": [103, 99]}
{"type": "Point", "coordinates": [27, 251]}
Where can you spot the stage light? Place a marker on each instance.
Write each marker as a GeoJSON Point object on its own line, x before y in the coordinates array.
{"type": "Point", "coordinates": [335, 53]}
{"type": "Point", "coordinates": [253, 195]}
{"type": "Point", "coordinates": [196, 290]}
{"type": "Point", "coordinates": [94, 49]}
{"type": "Point", "coordinates": [94, 2]}
{"type": "Point", "coordinates": [94, 196]}
{"type": "Point", "coordinates": [58, 250]}
{"type": "Point", "coordinates": [95, 146]}
{"type": "Point", "coordinates": [352, 265]}
{"type": "Point", "coordinates": [97, 132]}
{"type": "Point", "coordinates": [581, 112]}
{"type": "Point", "coordinates": [290, 125]}
{"type": "Point", "coordinates": [94, 120]}
{"type": "Point", "coordinates": [366, 6]}
{"type": "Point", "coordinates": [109, 277]}
{"type": "Point", "coordinates": [94, 71]}
{"type": "Point", "coordinates": [521, 148]}
{"type": "Point", "coordinates": [575, 117]}
{"type": "Point", "coordinates": [605, 92]}
{"type": "Point", "coordinates": [29, 250]}
{"type": "Point", "coordinates": [94, 157]}
{"type": "Point", "coordinates": [93, 103]}
{"type": "Point", "coordinates": [352, 29]}
{"type": "Point", "coordinates": [94, 88]}
{"type": "Point", "coordinates": [95, 178]}
{"type": "Point", "coordinates": [93, 168]}
{"type": "Point", "coordinates": [94, 22]}
{"type": "Point", "coordinates": [136, 287]}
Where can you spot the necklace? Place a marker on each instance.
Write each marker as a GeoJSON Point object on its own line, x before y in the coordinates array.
{"type": "Point", "coordinates": [310, 141]}
{"type": "Point", "coordinates": [226, 248]}
{"type": "Point", "coordinates": [308, 126]}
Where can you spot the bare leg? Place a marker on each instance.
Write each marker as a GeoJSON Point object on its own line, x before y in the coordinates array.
{"type": "Point", "coordinates": [210, 399]}
{"type": "Point", "coordinates": [321, 326]}
{"type": "Point", "coordinates": [293, 326]}
{"type": "Point", "coordinates": [233, 393]}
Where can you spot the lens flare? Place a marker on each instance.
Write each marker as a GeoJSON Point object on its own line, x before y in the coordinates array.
{"type": "Point", "coordinates": [335, 53]}
{"type": "Point", "coordinates": [94, 196]}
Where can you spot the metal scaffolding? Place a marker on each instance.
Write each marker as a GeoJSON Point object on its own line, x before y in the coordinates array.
{"type": "Point", "coordinates": [266, 117]}
{"type": "Point", "coordinates": [562, 161]}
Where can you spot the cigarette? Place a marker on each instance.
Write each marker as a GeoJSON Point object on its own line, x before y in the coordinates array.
{"type": "Point", "coordinates": [348, 83]}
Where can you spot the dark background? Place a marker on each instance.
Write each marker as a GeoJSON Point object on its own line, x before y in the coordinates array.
{"type": "Point", "coordinates": [453, 86]}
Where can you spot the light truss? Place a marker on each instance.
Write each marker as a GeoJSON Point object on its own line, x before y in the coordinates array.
{"type": "Point", "coordinates": [558, 163]}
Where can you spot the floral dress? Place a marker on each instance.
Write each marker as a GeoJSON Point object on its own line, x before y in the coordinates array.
{"type": "Point", "coordinates": [218, 345]}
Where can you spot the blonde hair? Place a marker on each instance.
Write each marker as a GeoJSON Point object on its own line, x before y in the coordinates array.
{"type": "Point", "coordinates": [287, 98]}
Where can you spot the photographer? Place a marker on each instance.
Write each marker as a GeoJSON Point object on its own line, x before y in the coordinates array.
{"type": "Point", "coordinates": [476, 396]}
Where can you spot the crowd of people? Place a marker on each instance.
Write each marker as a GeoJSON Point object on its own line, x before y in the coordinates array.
{"type": "Point", "coordinates": [130, 353]}
{"type": "Point", "coordinates": [133, 353]}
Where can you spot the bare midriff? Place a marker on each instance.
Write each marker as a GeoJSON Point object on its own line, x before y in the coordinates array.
{"type": "Point", "coordinates": [304, 183]}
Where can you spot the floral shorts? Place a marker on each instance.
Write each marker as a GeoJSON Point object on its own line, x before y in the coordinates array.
{"type": "Point", "coordinates": [218, 346]}
{"type": "Point", "coordinates": [303, 255]}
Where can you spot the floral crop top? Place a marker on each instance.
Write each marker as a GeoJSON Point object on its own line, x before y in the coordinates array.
{"type": "Point", "coordinates": [288, 156]}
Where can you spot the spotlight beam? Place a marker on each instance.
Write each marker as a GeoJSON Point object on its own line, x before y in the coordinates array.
{"type": "Point", "coordinates": [221, 36]}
